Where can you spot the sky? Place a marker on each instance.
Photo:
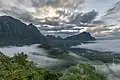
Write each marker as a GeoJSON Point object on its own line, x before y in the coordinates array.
{"type": "Point", "coordinates": [67, 17]}
{"type": "Point", "coordinates": [99, 5]}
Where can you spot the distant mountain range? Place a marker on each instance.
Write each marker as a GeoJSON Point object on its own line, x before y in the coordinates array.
{"type": "Point", "coordinates": [84, 36]}
{"type": "Point", "coordinates": [15, 32]}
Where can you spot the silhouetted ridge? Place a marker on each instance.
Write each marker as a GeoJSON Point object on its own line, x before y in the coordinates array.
{"type": "Point", "coordinates": [51, 37]}
{"type": "Point", "coordinates": [84, 36]}
{"type": "Point", "coordinates": [13, 31]}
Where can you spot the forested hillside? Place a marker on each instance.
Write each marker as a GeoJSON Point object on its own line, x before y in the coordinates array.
{"type": "Point", "coordinates": [19, 68]}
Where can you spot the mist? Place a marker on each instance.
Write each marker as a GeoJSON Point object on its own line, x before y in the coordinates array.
{"type": "Point", "coordinates": [102, 45]}
{"type": "Point", "coordinates": [112, 71]}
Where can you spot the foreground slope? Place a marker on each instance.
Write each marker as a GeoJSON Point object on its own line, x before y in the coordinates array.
{"type": "Point", "coordinates": [19, 68]}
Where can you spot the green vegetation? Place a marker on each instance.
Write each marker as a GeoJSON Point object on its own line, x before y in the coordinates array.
{"type": "Point", "coordinates": [82, 72]}
{"type": "Point", "coordinates": [56, 52]}
{"type": "Point", "coordinates": [104, 57]}
{"type": "Point", "coordinates": [19, 68]}
{"type": "Point", "coordinates": [93, 55]}
{"type": "Point", "coordinates": [45, 46]}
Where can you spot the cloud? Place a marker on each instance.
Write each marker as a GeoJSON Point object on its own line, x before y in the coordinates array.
{"type": "Point", "coordinates": [112, 15]}
{"type": "Point", "coordinates": [112, 71]}
{"type": "Point", "coordinates": [99, 31]}
{"type": "Point", "coordinates": [12, 9]}
{"type": "Point", "coordinates": [66, 3]}
{"type": "Point", "coordinates": [63, 33]}
{"type": "Point", "coordinates": [85, 17]}
{"type": "Point", "coordinates": [59, 28]}
{"type": "Point", "coordinates": [98, 22]}
{"type": "Point", "coordinates": [35, 9]}
{"type": "Point", "coordinates": [106, 32]}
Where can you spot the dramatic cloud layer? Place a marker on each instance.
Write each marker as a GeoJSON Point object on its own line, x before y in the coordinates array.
{"type": "Point", "coordinates": [84, 17]}
{"type": "Point", "coordinates": [34, 10]}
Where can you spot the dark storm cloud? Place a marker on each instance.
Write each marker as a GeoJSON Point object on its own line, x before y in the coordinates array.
{"type": "Point", "coordinates": [50, 22]}
{"type": "Point", "coordinates": [88, 17]}
{"type": "Point", "coordinates": [85, 17]}
{"type": "Point", "coordinates": [98, 22]}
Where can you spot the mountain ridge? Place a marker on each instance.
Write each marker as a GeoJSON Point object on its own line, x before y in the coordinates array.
{"type": "Point", "coordinates": [15, 32]}
{"type": "Point", "coordinates": [84, 36]}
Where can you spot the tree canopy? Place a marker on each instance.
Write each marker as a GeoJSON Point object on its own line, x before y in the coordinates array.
{"type": "Point", "coordinates": [19, 68]}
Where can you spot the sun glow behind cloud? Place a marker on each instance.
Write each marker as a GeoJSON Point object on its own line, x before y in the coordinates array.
{"type": "Point", "coordinates": [57, 8]}
{"type": "Point", "coordinates": [45, 12]}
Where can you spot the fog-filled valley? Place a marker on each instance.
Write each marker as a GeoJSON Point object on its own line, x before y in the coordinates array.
{"type": "Point", "coordinates": [40, 56]}
{"type": "Point", "coordinates": [109, 45]}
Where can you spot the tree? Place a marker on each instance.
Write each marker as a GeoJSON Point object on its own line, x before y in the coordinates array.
{"type": "Point", "coordinates": [83, 71]}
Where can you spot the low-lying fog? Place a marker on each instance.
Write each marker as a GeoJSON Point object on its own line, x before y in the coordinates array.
{"type": "Point", "coordinates": [42, 60]}
{"type": "Point", "coordinates": [102, 45]}
{"type": "Point", "coordinates": [111, 70]}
